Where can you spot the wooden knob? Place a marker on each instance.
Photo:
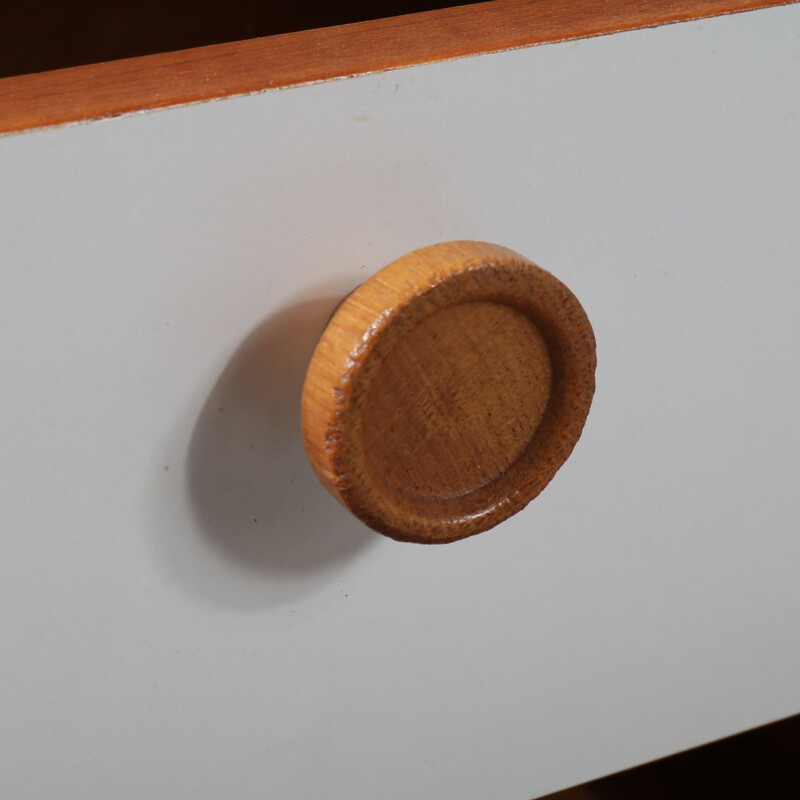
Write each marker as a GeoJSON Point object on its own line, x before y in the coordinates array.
{"type": "Point", "coordinates": [447, 390]}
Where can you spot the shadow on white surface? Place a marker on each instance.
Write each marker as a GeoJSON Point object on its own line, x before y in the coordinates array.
{"type": "Point", "coordinates": [270, 530]}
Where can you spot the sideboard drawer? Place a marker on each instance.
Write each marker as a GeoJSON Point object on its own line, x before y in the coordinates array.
{"type": "Point", "coordinates": [187, 613]}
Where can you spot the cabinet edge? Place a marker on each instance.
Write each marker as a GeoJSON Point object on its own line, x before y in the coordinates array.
{"type": "Point", "coordinates": [200, 74]}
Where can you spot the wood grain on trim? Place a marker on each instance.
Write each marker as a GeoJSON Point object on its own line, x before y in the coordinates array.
{"type": "Point", "coordinates": [205, 73]}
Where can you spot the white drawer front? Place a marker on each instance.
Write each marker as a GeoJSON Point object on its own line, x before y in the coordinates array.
{"type": "Point", "coordinates": [186, 613]}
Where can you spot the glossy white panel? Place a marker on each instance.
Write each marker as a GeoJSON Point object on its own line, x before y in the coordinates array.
{"type": "Point", "coordinates": [185, 613]}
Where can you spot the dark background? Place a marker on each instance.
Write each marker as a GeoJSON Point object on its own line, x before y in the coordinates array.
{"type": "Point", "coordinates": [47, 34]}
{"type": "Point", "coordinates": [762, 764]}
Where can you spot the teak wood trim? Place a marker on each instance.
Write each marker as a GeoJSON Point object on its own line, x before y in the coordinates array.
{"type": "Point", "coordinates": [204, 73]}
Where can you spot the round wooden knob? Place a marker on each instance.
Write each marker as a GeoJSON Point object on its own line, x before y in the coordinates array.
{"type": "Point", "coordinates": [447, 390]}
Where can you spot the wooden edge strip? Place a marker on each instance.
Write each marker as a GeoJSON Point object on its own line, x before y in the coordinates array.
{"type": "Point", "coordinates": [204, 73]}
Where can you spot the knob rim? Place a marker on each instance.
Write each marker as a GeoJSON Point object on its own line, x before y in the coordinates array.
{"type": "Point", "coordinates": [364, 332]}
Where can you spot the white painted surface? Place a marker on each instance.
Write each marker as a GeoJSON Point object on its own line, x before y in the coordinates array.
{"type": "Point", "coordinates": [221, 628]}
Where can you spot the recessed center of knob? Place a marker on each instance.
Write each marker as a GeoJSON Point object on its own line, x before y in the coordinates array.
{"type": "Point", "coordinates": [456, 401]}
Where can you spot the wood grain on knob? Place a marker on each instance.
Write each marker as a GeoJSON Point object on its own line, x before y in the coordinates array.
{"type": "Point", "coordinates": [447, 390]}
